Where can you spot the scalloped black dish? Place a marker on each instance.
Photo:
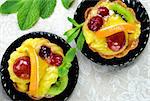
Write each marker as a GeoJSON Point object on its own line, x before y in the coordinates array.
{"type": "Point", "coordinates": [141, 15]}
{"type": "Point", "coordinates": [8, 84]}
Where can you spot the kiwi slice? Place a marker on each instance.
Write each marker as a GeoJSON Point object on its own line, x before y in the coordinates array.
{"type": "Point", "coordinates": [59, 86]}
{"type": "Point", "coordinates": [123, 11]}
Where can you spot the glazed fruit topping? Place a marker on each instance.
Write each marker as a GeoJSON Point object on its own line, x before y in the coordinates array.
{"type": "Point", "coordinates": [51, 58]}
{"type": "Point", "coordinates": [95, 23]}
{"type": "Point", "coordinates": [116, 41]}
{"type": "Point", "coordinates": [22, 67]}
{"type": "Point", "coordinates": [103, 11]}
{"type": "Point", "coordinates": [55, 59]}
{"type": "Point", "coordinates": [44, 52]}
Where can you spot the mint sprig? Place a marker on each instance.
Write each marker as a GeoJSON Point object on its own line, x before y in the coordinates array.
{"type": "Point", "coordinates": [69, 57]}
{"type": "Point", "coordinates": [30, 11]}
{"type": "Point", "coordinates": [74, 32]}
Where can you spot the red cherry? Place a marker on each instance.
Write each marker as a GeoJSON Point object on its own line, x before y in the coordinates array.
{"type": "Point", "coordinates": [103, 11]}
{"type": "Point", "coordinates": [22, 67]}
{"type": "Point", "coordinates": [55, 59]}
{"type": "Point", "coordinates": [95, 23]}
{"type": "Point", "coordinates": [117, 41]}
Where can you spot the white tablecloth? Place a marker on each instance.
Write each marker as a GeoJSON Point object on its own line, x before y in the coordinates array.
{"type": "Point", "coordinates": [95, 83]}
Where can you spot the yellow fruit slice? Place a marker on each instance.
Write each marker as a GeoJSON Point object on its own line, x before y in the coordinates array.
{"type": "Point", "coordinates": [42, 67]}
{"type": "Point", "coordinates": [108, 31]}
{"type": "Point", "coordinates": [34, 76]}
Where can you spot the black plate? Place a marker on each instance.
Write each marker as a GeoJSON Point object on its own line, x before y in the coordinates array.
{"type": "Point", "coordinates": [8, 84]}
{"type": "Point", "coordinates": [141, 15]}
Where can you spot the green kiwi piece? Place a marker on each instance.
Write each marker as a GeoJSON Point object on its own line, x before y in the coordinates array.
{"type": "Point", "coordinates": [123, 11]}
{"type": "Point", "coordinates": [59, 86]}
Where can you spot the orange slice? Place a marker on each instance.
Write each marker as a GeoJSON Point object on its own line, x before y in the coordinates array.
{"type": "Point", "coordinates": [34, 75]}
{"type": "Point", "coordinates": [108, 31]}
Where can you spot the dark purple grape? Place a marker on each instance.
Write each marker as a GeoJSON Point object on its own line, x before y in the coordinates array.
{"type": "Point", "coordinates": [44, 52]}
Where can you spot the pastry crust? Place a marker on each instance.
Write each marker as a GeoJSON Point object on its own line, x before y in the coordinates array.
{"type": "Point", "coordinates": [132, 44]}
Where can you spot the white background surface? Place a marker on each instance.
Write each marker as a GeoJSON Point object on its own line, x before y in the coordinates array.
{"type": "Point", "coordinates": [95, 83]}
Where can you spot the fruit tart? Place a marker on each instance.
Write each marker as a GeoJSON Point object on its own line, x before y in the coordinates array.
{"type": "Point", "coordinates": [110, 32]}
{"type": "Point", "coordinates": [111, 29]}
{"type": "Point", "coordinates": [39, 68]}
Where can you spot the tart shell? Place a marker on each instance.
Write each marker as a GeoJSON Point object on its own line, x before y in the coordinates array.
{"type": "Point", "coordinates": [7, 83]}
{"type": "Point", "coordinates": [127, 57]}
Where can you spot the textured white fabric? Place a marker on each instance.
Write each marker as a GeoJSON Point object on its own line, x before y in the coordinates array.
{"type": "Point", "coordinates": [95, 83]}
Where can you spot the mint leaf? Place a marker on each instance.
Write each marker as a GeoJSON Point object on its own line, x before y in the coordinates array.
{"type": "Point", "coordinates": [70, 32]}
{"type": "Point", "coordinates": [67, 3]}
{"type": "Point", "coordinates": [73, 33]}
{"type": "Point", "coordinates": [10, 6]}
{"type": "Point", "coordinates": [80, 41]}
{"type": "Point", "coordinates": [73, 22]}
{"type": "Point", "coordinates": [73, 36]}
{"type": "Point", "coordinates": [29, 11]}
{"type": "Point", "coordinates": [47, 8]}
{"type": "Point", "coordinates": [28, 14]}
{"type": "Point", "coordinates": [69, 57]}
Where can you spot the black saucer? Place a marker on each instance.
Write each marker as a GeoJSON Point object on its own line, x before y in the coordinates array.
{"type": "Point", "coordinates": [8, 84]}
{"type": "Point", "coordinates": [141, 15]}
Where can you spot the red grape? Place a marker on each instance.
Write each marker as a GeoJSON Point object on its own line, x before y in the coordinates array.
{"type": "Point", "coordinates": [22, 67]}
{"type": "Point", "coordinates": [116, 41]}
{"type": "Point", "coordinates": [103, 11]}
{"type": "Point", "coordinates": [55, 59]}
{"type": "Point", "coordinates": [95, 23]}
